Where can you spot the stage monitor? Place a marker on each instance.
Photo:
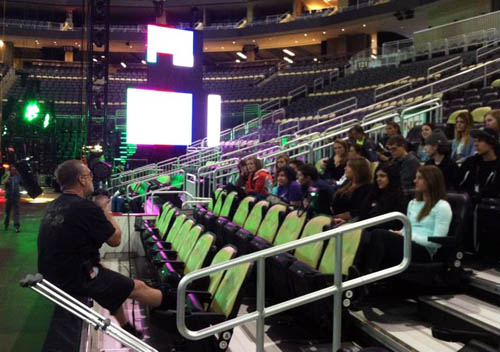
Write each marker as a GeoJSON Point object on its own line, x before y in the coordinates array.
{"type": "Point", "coordinates": [156, 117]}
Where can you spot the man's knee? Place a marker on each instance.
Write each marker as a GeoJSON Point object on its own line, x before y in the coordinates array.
{"type": "Point", "coordinates": [139, 287]}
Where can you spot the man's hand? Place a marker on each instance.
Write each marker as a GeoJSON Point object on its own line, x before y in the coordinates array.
{"type": "Point", "coordinates": [400, 233]}
{"type": "Point", "coordinates": [103, 202]}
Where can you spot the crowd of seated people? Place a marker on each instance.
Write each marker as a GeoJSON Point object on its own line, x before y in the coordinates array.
{"type": "Point", "coordinates": [362, 179]}
{"type": "Point", "coordinates": [343, 182]}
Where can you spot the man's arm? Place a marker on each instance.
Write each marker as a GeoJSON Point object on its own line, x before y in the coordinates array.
{"type": "Point", "coordinates": [5, 178]}
{"type": "Point", "coordinates": [116, 237]}
{"type": "Point", "coordinates": [104, 203]}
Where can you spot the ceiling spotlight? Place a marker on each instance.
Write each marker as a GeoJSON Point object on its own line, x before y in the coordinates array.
{"type": "Point", "coordinates": [123, 64]}
{"type": "Point", "coordinates": [315, 59]}
{"type": "Point", "coordinates": [253, 40]}
{"type": "Point", "coordinates": [55, 42]}
{"type": "Point", "coordinates": [296, 41]}
{"type": "Point", "coordinates": [324, 33]}
{"type": "Point", "coordinates": [222, 47]}
{"type": "Point", "coordinates": [143, 62]}
{"type": "Point", "coordinates": [364, 25]}
{"type": "Point", "coordinates": [237, 61]}
{"type": "Point", "coordinates": [240, 54]}
{"type": "Point", "coordinates": [94, 59]}
{"type": "Point", "coordinates": [287, 59]}
{"type": "Point", "coordinates": [305, 34]}
{"type": "Point", "coordinates": [1, 43]}
{"type": "Point", "coordinates": [343, 29]}
{"type": "Point", "coordinates": [288, 52]}
{"type": "Point", "coordinates": [234, 42]}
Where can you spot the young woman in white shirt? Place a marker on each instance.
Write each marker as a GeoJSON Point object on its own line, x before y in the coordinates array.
{"type": "Point", "coordinates": [429, 214]}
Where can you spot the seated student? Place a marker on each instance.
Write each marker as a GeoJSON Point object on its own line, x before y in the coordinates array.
{"type": "Point", "coordinates": [282, 160]}
{"type": "Point", "coordinates": [463, 144]}
{"type": "Point", "coordinates": [480, 174]}
{"type": "Point", "coordinates": [259, 180]}
{"type": "Point", "coordinates": [349, 199]}
{"type": "Point", "coordinates": [429, 214]}
{"type": "Point", "coordinates": [334, 167]}
{"type": "Point", "coordinates": [288, 189]}
{"type": "Point", "coordinates": [356, 152]}
{"type": "Point", "coordinates": [366, 144]}
{"type": "Point", "coordinates": [425, 132]}
{"type": "Point", "coordinates": [437, 148]}
{"type": "Point", "coordinates": [492, 120]}
{"type": "Point", "coordinates": [407, 162]}
{"type": "Point", "coordinates": [391, 129]}
{"type": "Point", "coordinates": [308, 177]}
{"type": "Point", "coordinates": [295, 164]}
{"type": "Point", "coordinates": [386, 196]}
{"type": "Point", "coordinates": [243, 174]}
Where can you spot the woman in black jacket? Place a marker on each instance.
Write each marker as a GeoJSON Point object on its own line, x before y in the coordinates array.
{"type": "Point", "coordinates": [386, 196]}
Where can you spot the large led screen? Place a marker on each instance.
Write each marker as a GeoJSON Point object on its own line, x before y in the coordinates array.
{"type": "Point", "coordinates": [159, 117]}
{"type": "Point", "coordinates": [177, 42]}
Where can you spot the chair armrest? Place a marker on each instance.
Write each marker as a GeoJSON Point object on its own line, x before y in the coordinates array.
{"type": "Point", "coordinates": [447, 241]}
{"type": "Point", "coordinates": [202, 296]}
{"type": "Point", "coordinates": [177, 265]}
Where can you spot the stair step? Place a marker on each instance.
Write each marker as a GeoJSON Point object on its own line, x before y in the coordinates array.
{"type": "Point", "coordinates": [399, 328]}
{"type": "Point", "coordinates": [462, 312]}
{"type": "Point", "coordinates": [486, 280]}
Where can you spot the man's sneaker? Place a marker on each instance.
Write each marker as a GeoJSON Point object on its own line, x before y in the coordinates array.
{"type": "Point", "coordinates": [17, 229]}
{"type": "Point", "coordinates": [132, 330]}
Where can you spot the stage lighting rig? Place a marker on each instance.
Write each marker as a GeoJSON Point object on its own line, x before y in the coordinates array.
{"type": "Point", "coordinates": [98, 23]}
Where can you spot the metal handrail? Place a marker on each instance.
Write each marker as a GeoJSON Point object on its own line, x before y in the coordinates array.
{"type": "Point", "coordinates": [127, 191]}
{"type": "Point", "coordinates": [444, 63]}
{"type": "Point", "coordinates": [355, 104]}
{"type": "Point", "coordinates": [262, 312]}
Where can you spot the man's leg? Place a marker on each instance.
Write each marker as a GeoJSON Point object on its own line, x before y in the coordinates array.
{"type": "Point", "coordinates": [7, 212]}
{"type": "Point", "coordinates": [120, 316]}
{"type": "Point", "coordinates": [15, 208]}
{"type": "Point", "coordinates": [146, 295]}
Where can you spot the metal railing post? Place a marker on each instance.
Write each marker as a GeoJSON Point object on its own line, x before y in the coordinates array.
{"type": "Point", "coordinates": [337, 296]}
{"type": "Point", "coordinates": [261, 293]}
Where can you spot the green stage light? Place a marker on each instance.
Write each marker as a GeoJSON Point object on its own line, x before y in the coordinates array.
{"type": "Point", "coordinates": [46, 120]}
{"type": "Point", "coordinates": [32, 111]}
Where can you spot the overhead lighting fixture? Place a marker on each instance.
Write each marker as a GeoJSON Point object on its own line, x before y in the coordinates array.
{"type": "Point", "coordinates": [103, 57]}
{"type": "Point", "coordinates": [143, 62]}
{"type": "Point", "coordinates": [364, 25]}
{"type": "Point", "coordinates": [288, 52]}
{"type": "Point", "coordinates": [94, 59]}
{"type": "Point", "coordinates": [296, 41]}
{"type": "Point", "coordinates": [222, 47]}
{"type": "Point", "coordinates": [343, 29]}
{"type": "Point", "coordinates": [1, 43]}
{"type": "Point", "coordinates": [305, 34]}
{"type": "Point", "coordinates": [237, 61]}
{"type": "Point", "coordinates": [55, 42]}
{"type": "Point", "coordinates": [315, 59]}
{"type": "Point", "coordinates": [253, 40]}
{"type": "Point", "coordinates": [240, 54]}
{"type": "Point", "coordinates": [287, 59]}
{"type": "Point", "coordinates": [234, 42]}
{"type": "Point", "coordinates": [324, 33]}
{"type": "Point", "coordinates": [123, 64]}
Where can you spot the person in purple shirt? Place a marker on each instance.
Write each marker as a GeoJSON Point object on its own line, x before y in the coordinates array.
{"type": "Point", "coordinates": [288, 189]}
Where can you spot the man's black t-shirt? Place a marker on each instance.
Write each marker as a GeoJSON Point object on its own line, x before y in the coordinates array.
{"type": "Point", "coordinates": [71, 232]}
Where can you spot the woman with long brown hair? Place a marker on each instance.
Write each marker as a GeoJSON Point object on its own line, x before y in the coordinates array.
{"type": "Point", "coordinates": [463, 144]}
{"type": "Point", "coordinates": [259, 180]}
{"type": "Point", "coordinates": [349, 199]}
{"type": "Point", "coordinates": [334, 167]}
{"type": "Point", "coordinates": [429, 214]}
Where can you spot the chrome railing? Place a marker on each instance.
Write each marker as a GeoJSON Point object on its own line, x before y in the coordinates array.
{"type": "Point", "coordinates": [260, 257]}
